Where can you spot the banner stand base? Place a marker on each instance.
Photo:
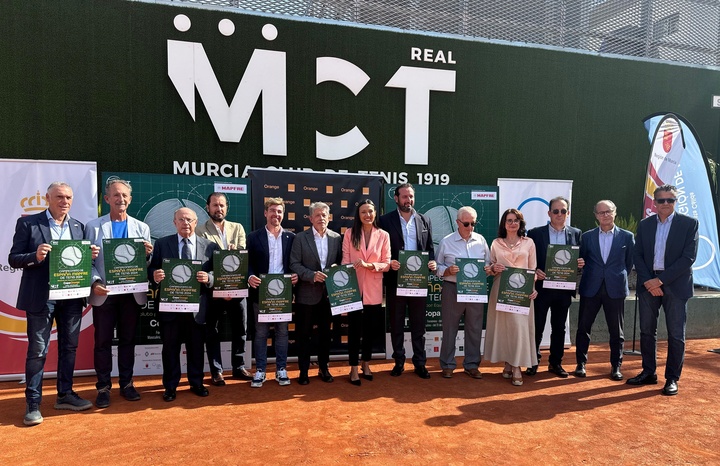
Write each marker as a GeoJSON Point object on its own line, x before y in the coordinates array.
{"type": "Point", "coordinates": [716, 350]}
{"type": "Point", "coordinates": [632, 353]}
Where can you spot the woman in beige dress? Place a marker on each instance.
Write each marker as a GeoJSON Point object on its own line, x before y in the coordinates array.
{"type": "Point", "coordinates": [510, 337]}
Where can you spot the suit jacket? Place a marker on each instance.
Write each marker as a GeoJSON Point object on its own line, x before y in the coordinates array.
{"type": "Point", "coordinates": [234, 233]}
{"type": "Point", "coordinates": [101, 228]}
{"type": "Point", "coordinates": [614, 272]}
{"type": "Point", "coordinates": [390, 222]}
{"type": "Point", "coordinates": [680, 251]}
{"type": "Point", "coordinates": [378, 254]}
{"type": "Point", "coordinates": [31, 232]}
{"type": "Point", "coordinates": [259, 254]}
{"type": "Point", "coordinates": [167, 248]}
{"type": "Point", "coordinates": [541, 237]}
{"type": "Point", "coordinates": [305, 261]}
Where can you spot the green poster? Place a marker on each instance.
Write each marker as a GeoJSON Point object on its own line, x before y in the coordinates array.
{"type": "Point", "coordinates": [343, 290]}
{"type": "Point", "coordinates": [180, 290]}
{"type": "Point", "coordinates": [125, 265]}
{"type": "Point", "coordinates": [70, 269]}
{"type": "Point", "coordinates": [230, 268]}
{"type": "Point", "coordinates": [471, 281]}
{"type": "Point", "coordinates": [561, 267]}
{"type": "Point", "coordinates": [413, 273]}
{"type": "Point", "coordinates": [275, 300]}
{"type": "Point", "coordinates": [516, 286]}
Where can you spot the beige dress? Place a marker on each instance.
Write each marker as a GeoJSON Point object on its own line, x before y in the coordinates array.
{"type": "Point", "coordinates": [510, 337]}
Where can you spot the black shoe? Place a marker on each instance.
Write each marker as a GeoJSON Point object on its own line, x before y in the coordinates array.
{"type": "Point", "coordinates": [169, 394]}
{"type": "Point", "coordinates": [615, 373]}
{"type": "Point", "coordinates": [199, 390]}
{"type": "Point", "coordinates": [129, 392]}
{"type": "Point", "coordinates": [580, 370]}
{"type": "Point", "coordinates": [303, 379]}
{"type": "Point", "coordinates": [241, 373]}
{"type": "Point", "coordinates": [398, 369]}
{"type": "Point", "coordinates": [325, 375]}
{"type": "Point", "coordinates": [531, 370]}
{"type": "Point", "coordinates": [357, 382]}
{"type": "Point", "coordinates": [558, 370]}
{"type": "Point", "coordinates": [367, 375]}
{"type": "Point", "coordinates": [218, 380]}
{"type": "Point", "coordinates": [422, 372]}
{"type": "Point", "coordinates": [643, 379]}
{"type": "Point", "coordinates": [670, 388]}
{"type": "Point", "coordinates": [103, 398]}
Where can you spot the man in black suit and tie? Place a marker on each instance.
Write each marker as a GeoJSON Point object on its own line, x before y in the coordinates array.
{"type": "Point", "coordinates": [183, 327]}
{"type": "Point", "coordinates": [29, 251]}
{"type": "Point", "coordinates": [314, 250]}
{"type": "Point", "coordinates": [665, 251]}
{"type": "Point", "coordinates": [608, 254]}
{"type": "Point", "coordinates": [269, 252]}
{"type": "Point", "coordinates": [557, 301]}
{"type": "Point", "coordinates": [409, 230]}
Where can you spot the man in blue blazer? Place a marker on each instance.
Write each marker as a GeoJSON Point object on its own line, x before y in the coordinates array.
{"type": "Point", "coordinates": [29, 252]}
{"type": "Point", "coordinates": [556, 301]}
{"type": "Point", "coordinates": [608, 254]}
{"type": "Point", "coordinates": [177, 328]}
{"type": "Point", "coordinates": [665, 251]}
{"type": "Point", "coordinates": [117, 310]}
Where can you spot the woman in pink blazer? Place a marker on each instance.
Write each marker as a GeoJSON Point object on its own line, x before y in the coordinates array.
{"type": "Point", "coordinates": [367, 247]}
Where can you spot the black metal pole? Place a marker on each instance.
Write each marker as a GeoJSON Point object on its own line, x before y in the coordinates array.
{"type": "Point", "coordinates": [634, 352]}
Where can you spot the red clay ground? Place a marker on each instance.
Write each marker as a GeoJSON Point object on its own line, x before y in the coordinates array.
{"type": "Point", "coordinates": [402, 420]}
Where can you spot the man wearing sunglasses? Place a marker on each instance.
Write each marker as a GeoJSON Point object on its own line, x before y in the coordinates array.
{"type": "Point", "coordinates": [665, 249]}
{"type": "Point", "coordinates": [556, 301]}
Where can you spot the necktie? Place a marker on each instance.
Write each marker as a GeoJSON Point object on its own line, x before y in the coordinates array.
{"type": "Point", "coordinates": [186, 254]}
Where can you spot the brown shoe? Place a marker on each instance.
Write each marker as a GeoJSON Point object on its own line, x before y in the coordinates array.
{"type": "Point", "coordinates": [218, 380]}
{"type": "Point", "coordinates": [474, 373]}
{"type": "Point", "coordinates": [447, 373]}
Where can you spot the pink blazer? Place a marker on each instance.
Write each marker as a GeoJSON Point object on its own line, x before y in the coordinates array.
{"type": "Point", "coordinates": [378, 254]}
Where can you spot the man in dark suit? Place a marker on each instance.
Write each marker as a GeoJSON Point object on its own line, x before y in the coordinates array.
{"type": "Point", "coordinates": [409, 230]}
{"type": "Point", "coordinates": [665, 251]}
{"type": "Point", "coordinates": [264, 258]}
{"type": "Point", "coordinates": [314, 250]}
{"type": "Point", "coordinates": [183, 327]}
{"type": "Point", "coordinates": [29, 251]}
{"type": "Point", "coordinates": [607, 251]}
{"type": "Point", "coordinates": [557, 301]}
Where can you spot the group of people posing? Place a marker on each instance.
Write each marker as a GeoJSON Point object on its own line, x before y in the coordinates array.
{"type": "Point", "coordinates": [662, 253]}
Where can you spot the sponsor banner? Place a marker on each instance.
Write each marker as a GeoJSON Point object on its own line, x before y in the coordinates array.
{"type": "Point", "coordinates": [471, 280]}
{"type": "Point", "coordinates": [180, 290]}
{"type": "Point", "coordinates": [516, 286]}
{"type": "Point", "coordinates": [230, 268]}
{"type": "Point", "coordinates": [70, 269]}
{"type": "Point", "coordinates": [342, 289]}
{"type": "Point", "coordinates": [125, 265]}
{"type": "Point", "coordinates": [561, 267]}
{"type": "Point", "coordinates": [668, 147]}
{"type": "Point", "coordinates": [532, 198]}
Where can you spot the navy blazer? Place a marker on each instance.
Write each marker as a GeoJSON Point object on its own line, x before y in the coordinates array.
{"type": "Point", "coordinates": [680, 252]}
{"type": "Point", "coordinates": [31, 232]}
{"type": "Point", "coordinates": [305, 261]}
{"type": "Point", "coordinates": [259, 255]}
{"type": "Point", "coordinates": [167, 248]}
{"type": "Point", "coordinates": [541, 238]}
{"type": "Point", "coordinates": [390, 222]}
{"type": "Point", "coordinates": [614, 272]}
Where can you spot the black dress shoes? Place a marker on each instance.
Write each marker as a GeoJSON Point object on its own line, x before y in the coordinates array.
{"type": "Point", "coordinates": [580, 370]}
{"type": "Point", "coordinates": [218, 380]}
{"type": "Point", "coordinates": [558, 370]}
{"type": "Point", "coordinates": [199, 390]}
{"type": "Point", "coordinates": [670, 388]}
{"type": "Point", "coordinates": [422, 372]}
{"type": "Point", "coordinates": [325, 375]}
{"type": "Point", "coordinates": [643, 379]}
{"type": "Point", "coordinates": [169, 394]}
{"type": "Point", "coordinates": [398, 369]}
{"type": "Point", "coordinates": [531, 370]}
{"type": "Point", "coordinates": [303, 379]}
{"type": "Point", "coordinates": [615, 373]}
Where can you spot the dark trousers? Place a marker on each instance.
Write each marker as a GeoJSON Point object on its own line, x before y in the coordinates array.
{"type": "Point", "coordinates": [175, 332]}
{"type": "Point", "coordinates": [675, 319]}
{"type": "Point", "coordinates": [307, 315]}
{"type": "Point", "coordinates": [123, 312]}
{"type": "Point", "coordinates": [361, 325]}
{"type": "Point", "coordinates": [614, 309]}
{"type": "Point", "coordinates": [558, 303]}
{"type": "Point", "coordinates": [416, 314]}
{"type": "Point", "coordinates": [236, 312]}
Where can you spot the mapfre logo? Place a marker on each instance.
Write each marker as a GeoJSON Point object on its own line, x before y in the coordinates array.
{"type": "Point", "coordinates": [189, 68]}
{"type": "Point", "coordinates": [33, 204]}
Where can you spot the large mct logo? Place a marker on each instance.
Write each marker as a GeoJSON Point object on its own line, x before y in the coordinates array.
{"type": "Point", "coordinates": [189, 69]}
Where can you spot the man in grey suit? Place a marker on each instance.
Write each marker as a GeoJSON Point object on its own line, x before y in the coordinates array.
{"type": "Point", "coordinates": [608, 254]}
{"type": "Point", "coordinates": [29, 252]}
{"type": "Point", "coordinates": [665, 250]}
{"type": "Point", "coordinates": [314, 250]}
{"type": "Point", "coordinates": [117, 310]}
{"type": "Point", "coordinates": [177, 328]}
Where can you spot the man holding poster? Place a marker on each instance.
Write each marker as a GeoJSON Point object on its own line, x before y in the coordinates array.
{"type": "Point", "coordinates": [111, 308]}
{"type": "Point", "coordinates": [29, 252]}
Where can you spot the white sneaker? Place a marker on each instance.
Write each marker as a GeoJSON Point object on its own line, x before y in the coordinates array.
{"type": "Point", "coordinates": [282, 377]}
{"type": "Point", "coordinates": [258, 379]}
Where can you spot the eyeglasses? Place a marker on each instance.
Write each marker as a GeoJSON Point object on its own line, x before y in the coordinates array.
{"type": "Point", "coordinates": [603, 213]}
{"type": "Point", "coordinates": [669, 200]}
{"type": "Point", "coordinates": [187, 220]}
{"type": "Point", "coordinates": [467, 224]}
{"type": "Point", "coordinates": [512, 220]}
{"type": "Point", "coordinates": [559, 211]}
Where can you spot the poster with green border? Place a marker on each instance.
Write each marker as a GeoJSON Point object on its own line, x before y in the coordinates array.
{"type": "Point", "coordinates": [471, 280]}
{"type": "Point", "coordinates": [125, 265]}
{"type": "Point", "coordinates": [342, 289]}
{"type": "Point", "coordinates": [230, 268]}
{"type": "Point", "coordinates": [561, 267]}
{"type": "Point", "coordinates": [275, 297]}
{"type": "Point", "coordinates": [413, 274]}
{"type": "Point", "coordinates": [516, 286]}
{"type": "Point", "coordinates": [180, 290]}
{"type": "Point", "coordinates": [70, 269]}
